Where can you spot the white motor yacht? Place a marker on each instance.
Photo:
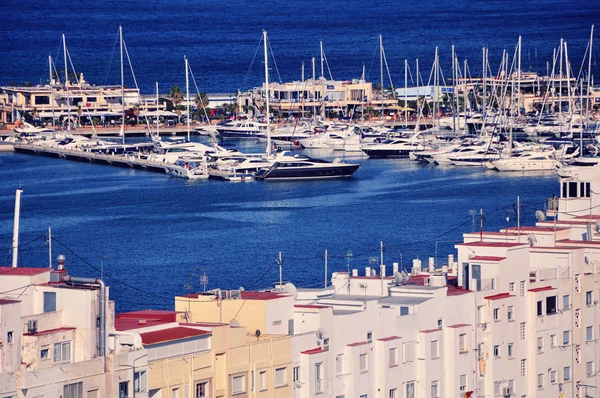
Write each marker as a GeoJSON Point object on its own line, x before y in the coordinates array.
{"type": "Point", "coordinates": [394, 148]}
{"type": "Point", "coordinates": [190, 168]}
{"type": "Point", "coordinates": [526, 161]}
{"type": "Point", "coordinates": [241, 129]}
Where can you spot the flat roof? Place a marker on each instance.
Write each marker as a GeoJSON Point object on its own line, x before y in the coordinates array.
{"type": "Point", "coordinates": [8, 301]}
{"type": "Point", "coordinates": [22, 271]}
{"type": "Point", "coordinates": [51, 331]}
{"type": "Point", "coordinates": [498, 296]}
{"type": "Point", "coordinates": [492, 244]}
{"type": "Point", "coordinates": [248, 295]}
{"type": "Point", "coordinates": [311, 306]}
{"type": "Point", "coordinates": [430, 330]}
{"type": "Point", "coordinates": [404, 300]}
{"type": "Point", "coordinates": [357, 344]}
{"type": "Point", "coordinates": [390, 338]}
{"type": "Point", "coordinates": [541, 289]}
{"type": "Point", "coordinates": [494, 259]}
{"type": "Point", "coordinates": [459, 325]}
{"type": "Point", "coordinates": [172, 334]}
{"type": "Point", "coordinates": [313, 351]}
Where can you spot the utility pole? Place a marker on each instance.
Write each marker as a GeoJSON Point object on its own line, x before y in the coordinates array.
{"type": "Point", "coordinates": [326, 269]}
{"type": "Point", "coordinates": [280, 261]}
{"type": "Point", "coordinates": [50, 248]}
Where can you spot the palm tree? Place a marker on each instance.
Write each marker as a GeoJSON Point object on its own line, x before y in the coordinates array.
{"type": "Point", "coordinates": [176, 95]}
{"type": "Point", "coordinates": [136, 112]}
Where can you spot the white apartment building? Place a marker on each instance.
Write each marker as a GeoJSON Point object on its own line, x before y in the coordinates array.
{"type": "Point", "coordinates": [57, 339]}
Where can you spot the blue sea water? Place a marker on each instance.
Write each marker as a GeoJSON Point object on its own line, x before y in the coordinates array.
{"type": "Point", "coordinates": [221, 38]}
{"type": "Point", "coordinates": [154, 231]}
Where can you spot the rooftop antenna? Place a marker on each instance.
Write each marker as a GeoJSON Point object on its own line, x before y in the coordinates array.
{"type": "Point", "coordinates": [326, 268]}
{"type": "Point", "coordinates": [280, 262]}
{"type": "Point", "coordinates": [15, 242]}
{"type": "Point", "coordinates": [50, 248]}
{"type": "Point", "coordinates": [204, 280]}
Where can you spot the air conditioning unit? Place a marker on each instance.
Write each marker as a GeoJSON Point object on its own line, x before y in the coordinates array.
{"type": "Point", "coordinates": [32, 326]}
{"type": "Point", "coordinates": [483, 326]}
{"type": "Point", "coordinates": [506, 392]}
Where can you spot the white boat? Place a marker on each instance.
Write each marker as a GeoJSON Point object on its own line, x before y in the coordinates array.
{"type": "Point", "coordinates": [171, 151]}
{"type": "Point", "coordinates": [475, 158]}
{"type": "Point", "coordinates": [190, 168]}
{"type": "Point", "coordinates": [27, 128]}
{"type": "Point", "coordinates": [526, 161]}
{"type": "Point", "coordinates": [287, 166]}
{"type": "Point", "coordinates": [241, 129]}
{"type": "Point", "coordinates": [394, 148]}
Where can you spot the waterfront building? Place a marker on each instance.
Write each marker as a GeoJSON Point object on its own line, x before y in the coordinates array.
{"type": "Point", "coordinates": [57, 338]}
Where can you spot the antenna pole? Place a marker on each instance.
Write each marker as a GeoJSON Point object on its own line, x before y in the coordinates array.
{"type": "Point", "coordinates": [267, 93]}
{"type": "Point", "coordinates": [381, 252]}
{"type": "Point", "coordinates": [325, 268]}
{"type": "Point", "coordinates": [50, 248]}
{"type": "Point", "coordinates": [481, 225]}
{"type": "Point", "coordinates": [15, 245]}
{"type": "Point", "coordinates": [280, 261]}
{"type": "Point", "coordinates": [518, 214]}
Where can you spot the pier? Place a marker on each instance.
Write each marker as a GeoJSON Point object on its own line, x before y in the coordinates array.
{"type": "Point", "coordinates": [125, 161]}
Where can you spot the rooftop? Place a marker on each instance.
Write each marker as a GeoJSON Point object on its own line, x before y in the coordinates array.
{"type": "Point", "coordinates": [172, 334]}
{"type": "Point", "coordinates": [492, 244]}
{"type": "Point", "coordinates": [313, 351]}
{"type": "Point", "coordinates": [487, 258]}
{"type": "Point", "coordinates": [357, 344]}
{"type": "Point", "coordinates": [390, 338]}
{"type": "Point", "coordinates": [404, 300]}
{"type": "Point", "coordinates": [50, 331]}
{"type": "Point", "coordinates": [8, 301]}
{"type": "Point", "coordinates": [459, 325]}
{"type": "Point", "coordinates": [247, 295]}
{"type": "Point", "coordinates": [21, 271]}
{"type": "Point", "coordinates": [541, 289]}
{"type": "Point", "coordinates": [498, 296]}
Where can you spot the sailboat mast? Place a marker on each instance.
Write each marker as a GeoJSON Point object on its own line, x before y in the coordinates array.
{"type": "Point", "coordinates": [267, 93]}
{"type": "Point", "coordinates": [465, 96]}
{"type": "Point", "coordinates": [453, 88]}
{"type": "Point", "coordinates": [484, 72]}
{"type": "Point", "coordinates": [519, 80]}
{"type": "Point", "coordinates": [587, 113]}
{"type": "Point", "coordinates": [314, 76]}
{"type": "Point", "coordinates": [435, 89]}
{"type": "Point", "coordinates": [187, 96]}
{"type": "Point", "coordinates": [381, 73]}
{"type": "Point", "coordinates": [67, 83]}
{"type": "Point", "coordinates": [122, 86]}
{"type": "Point", "coordinates": [52, 89]}
{"type": "Point", "coordinates": [322, 81]}
{"type": "Point", "coordinates": [157, 117]}
{"type": "Point", "coordinates": [406, 93]}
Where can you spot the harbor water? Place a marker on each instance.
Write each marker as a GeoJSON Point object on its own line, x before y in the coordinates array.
{"type": "Point", "coordinates": [152, 235]}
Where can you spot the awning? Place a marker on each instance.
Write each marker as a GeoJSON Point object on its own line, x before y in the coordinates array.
{"type": "Point", "coordinates": [158, 113]}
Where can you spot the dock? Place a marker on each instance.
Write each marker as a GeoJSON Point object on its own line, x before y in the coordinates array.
{"type": "Point", "coordinates": [126, 161]}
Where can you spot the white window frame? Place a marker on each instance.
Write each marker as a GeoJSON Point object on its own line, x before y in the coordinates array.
{"type": "Point", "coordinates": [140, 381]}
{"type": "Point", "coordinates": [281, 377]}
{"type": "Point", "coordinates": [435, 389]}
{"type": "Point", "coordinates": [262, 380]}
{"type": "Point", "coordinates": [319, 377]}
{"type": "Point", "coordinates": [540, 381]}
{"type": "Point", "coordinates": [363, 361]}
{"type": "Point", "coordinates": [393, 357]}
{"type": "Point", "coordinates": [510, 313]}
{"type": "Point", "coordinates": [59, 352]}
{"type": "Point", "coordinates": [242, 380]}
{"type": "Point", "coordinates": [510, 350]}
{"type": "Point", "coordinates": [462, 383]}
{"type": "Point", "coordinates": [435, 349]}
{"type": "Point", "coordinates": [339, 364]}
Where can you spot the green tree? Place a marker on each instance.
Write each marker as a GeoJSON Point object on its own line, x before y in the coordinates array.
{"type": "Point", "coordinates": [201, 100]}
{"type": "Point", "coordinates": [176, 95]}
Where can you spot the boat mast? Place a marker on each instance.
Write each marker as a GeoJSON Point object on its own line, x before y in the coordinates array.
{"type": "Point", "coordinates": [436, 77]}
{"type": "Point", "coordinates": [187, 95]}
{"type": "Point", "coordinates": [314, 75]}
{"type": "Point", "coordinates": [465, 95]}
{"type": "Point", "coordinates": [484, 73]}
{"type": "Point", "coordinates": [322, 81]}
{"type": "Point", "coordinates": [560, 72]}
{"type": "Point", "coordinates": [519, 80]}
{"type": "Point", "coordinates": [157, 118]}
{"type": "Point", "coordinates": [381, 75]}
{"type": "Point", "coordinates": [122, 86]}
{"type": "Point", "coordinates": [453, 88]}
{"type": "Point", "coordinates": [67, 83]}
{"type": "Point", "coordinates": [587, 112]}
{"type": "Point", "coordinates": [406, 93]}
{"type": "Point", "coordinates": [267, 93]}
{"type": "Point", "coordinates": [52, 89]}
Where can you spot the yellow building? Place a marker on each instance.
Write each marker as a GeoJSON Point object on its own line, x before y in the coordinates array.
{"type": "Point", "coordinates": [210, 359]}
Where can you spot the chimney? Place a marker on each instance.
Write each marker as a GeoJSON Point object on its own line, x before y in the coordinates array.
{"type": "Point", "coordinates": [394, 268]}
{"type": "Point", "coordinates": [416, 269]}
{"type": "Point", "coordinates": [431, 264]}
{"type": "Point", "coordinates": [61, 261]}
{"type": "Point", "coordinates": [367, 271]}
{"type": "Point", "coordinates": [354, 272]}
{"type": "Point", "coordinates": [451, 261]}
{"type": "Point", "coordinates": [382, 272]}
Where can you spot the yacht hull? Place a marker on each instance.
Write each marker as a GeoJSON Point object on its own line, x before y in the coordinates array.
{"type": "Point", "coordinates": [307, 173]}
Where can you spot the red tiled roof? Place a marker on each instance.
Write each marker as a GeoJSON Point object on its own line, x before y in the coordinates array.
{"type": "Point", "coordinates": [357, 344]}
{"type": "Point", "coordinates": [498, 296]}
{"type": "Point", "coordinates": [578, 242]}
{"type": "Point", "coordinates": [557, 248]}
{"type": "Point", "coordinates": [459, 325]}
{"type": "Point", "coordinates": [20, 271]}
{"type": "Point", "coordinates": [541, 289]}
{"type": "Point", "coordinates": [456, 291]}
{"type": "Point", "coordinates": [8, 301]}
{"type": "Point", "coordinates": [313, 351]}
{"type": "Point", "coordinates": [176, 333]}
{"type": "Point", "coordinates": [430, 330]}
{"type": "Point", "coordinates": [247, 295]}
{"type": "Point", "coordinates": [390, 338]}
{"type": "Point", "coordinates": [492, 244]}
{"type": "Point", "coordinates": [122, 324]}
{"type": "Point", "coordinates": [315, 306]}
{"type": "Point", "coordinates": [204, 324]}
{"type": "Point", "coordinates": [50, 331]}
{"type": "Point", "coordinates": [487, 258]}
{"type": "Point", "coordinates": [533, 228]}
{"type": "Point", "coordinates": [371, 277]}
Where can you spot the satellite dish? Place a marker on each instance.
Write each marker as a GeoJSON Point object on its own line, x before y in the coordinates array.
{"type": "Point", "coordinates": [290, 288]}
{"type": "Point", "coordinates": [234, 323]}
{"type": "Point", "coordinates": [597, 226]}
{"type": "Point", "coordinates": [257, 333]}
{"type": "Point", "coordinates": [320, 333]}
{"type": "Point", "coordinates": [540, 215]}
{"type": "Point", "coordinates": [241, 288]}
{"type": "Point", "coordinates": [531, 239]}
{"type": "Point", "coordinates": [373, 272]}
{"type": "Point", "coordinates": [398, 276]}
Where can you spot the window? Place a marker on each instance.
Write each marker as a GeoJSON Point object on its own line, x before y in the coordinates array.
{"type": "Point", "coordinates": [589, 368]}
{"type": "Point", "coordinates": [566, 337]}
{"type": "Point", "coordinates": [462, 382]}
{"type": "Point", "coordinates": [403, 311]}
{"type": "Point", "coordinates": [511, 385]}
{"type": "Point", "coordinates": [393, 393]}
{"type": "Point", "coordinates": [252, 381]}
{"type": "Point", "coordinates": [550, 305]}
{"type": "Point", "coordinates": [408, 352]}
{"type": "Point", "coordinates": [434, 389]}
{"type": "Point", "coordinates": [522, 288]}
{"type": "Point", "coordinates": [511, 287]}
{"type": "Point", "coordinates": [510, 313]}
{"type": "Point", "coordinates": [566, 302]}
{"type": "Point", "coordinates": [540, 381]}
{"type": "Point", "coordinates": [49, 301]}
{"type": "Point", "coordinates": [280, 377]}
{"type": "Point", "coordinates": [497, 351]}
{"type": "Point", "coordinates": [511, 350]}
{"type": "Point", "coordinates": [588, 298]}
{"type": "Point", "coordinates": [522, 330]}
{"type": "Point", "coordinates": [497, 387]}
{"type": "Point", "coordinates": [92, 393]}
{"type": "Point", "coordinates": [566, 373]}
{"type": "Point", "coordinates": [462, 343]}
{"type": "Point", "coordinates": [339, 364]}
{"type": "Point", "coordinates": [139, 382]}
{"type": "Point", "coordinates": [326, 343]}
{"type": "Point", "coordinates": [410, 389]}
{"type": "Point", "coordinates": [589, 333]}
{"type": "Point", "coordinates": [123, 389]}
{"type": "Point", "coordinates": [319, 377]}
{"type": "Point", "coordinates": [62, 352]}
{"type": "Point", "coordinates": [45, 353]}
{"type": "Point", "coordinates": [553, 376]}
{"type": "Point", "coordinates": [369, 336]}
{"type": "Point", "coordinates": [440, 323]}
{"type": "Point", "coordinates": [9, 337]}
{"type": "Point", "coordinates": [238, 384]}
{"type": "Point", "coordinates": [435, 349]}
{"type": "Point", "coordinates": [480, 350]}
{"type": "Point", "coordinates": [393, 357]}
{"type": "Point", "coordinates": [496, 314]}
{"type": "Point", "coordinates": [540, 311]}
{"type": "Point", "coordinates": [540, 344]}
{"type": "Point", "coordinates": [552, 341]}
{"type": "Point", "coordinates": [175, 393]}
{"type": "Point", "coordinates": [201, 390]}
{"type": "Point", "coordinates": [296, 373]}
{"type": "Point", "coordinates": [363, 362]}
{"type": "Point", "coordinates": [262, 380]}
{"type": "Point", "coordinates": [523, 367]}
{"type": "Point", "coordinates": [74, 390]}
